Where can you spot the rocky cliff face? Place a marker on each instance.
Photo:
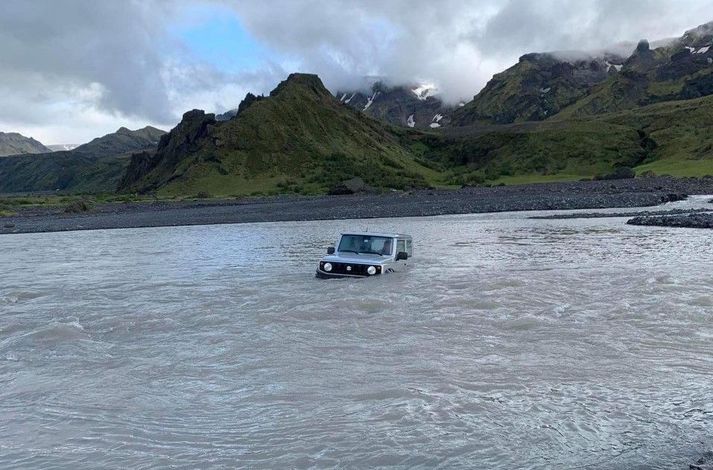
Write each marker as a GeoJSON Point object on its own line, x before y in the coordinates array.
{"type": "Point", "coordinates": [406, 106]}
{"type": "Point", "coordinates": [179, 143]}
{"type": "Point", "coordinates": [12, 143]}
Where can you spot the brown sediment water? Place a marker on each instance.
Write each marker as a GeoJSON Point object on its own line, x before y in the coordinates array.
{"type": "Point", "coordinates": [510, 343]}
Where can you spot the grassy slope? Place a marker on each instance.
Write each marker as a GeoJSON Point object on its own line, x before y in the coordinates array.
{"type": "Point", "coordinates": [536, 151]}
{"type": "Point", "coordinates": [63, 171]}
{"type": "Point", "coordinates": [683, 132]}
{"type": "Point", "coordinates": [95, 167]}
{"type": "Point", "coordinates": [673, 138]}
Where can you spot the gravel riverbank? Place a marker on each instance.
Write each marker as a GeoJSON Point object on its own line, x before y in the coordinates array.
{"type": "Point", "coordinates": [638, 192]}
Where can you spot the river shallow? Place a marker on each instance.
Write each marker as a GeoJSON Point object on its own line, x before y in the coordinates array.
{"type": "Point", "coordinates": [511, 343]}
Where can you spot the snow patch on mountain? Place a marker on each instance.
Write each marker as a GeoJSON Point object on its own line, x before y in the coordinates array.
{"type": "Point", "coordinates": [410, 122]}
{"type": "Point", "coordinates": [371, 100]}
{"type": "Point", "coordinates": [617, 67]}
{"type": "Point", "coordinates": [703, 50]}
{"type": "Point", "coordinates": [437, 118]}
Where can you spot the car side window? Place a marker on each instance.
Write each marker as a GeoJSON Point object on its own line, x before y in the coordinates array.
{"type": "Point", "coordinates": [408, 248]}
{"type": "Point", "coordinates": [400, 246]}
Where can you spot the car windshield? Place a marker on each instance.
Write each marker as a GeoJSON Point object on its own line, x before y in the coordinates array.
{"type": "Point", "coordinates": [366, 244]}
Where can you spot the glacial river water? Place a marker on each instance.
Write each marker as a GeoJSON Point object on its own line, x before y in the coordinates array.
{"type": "Point", "coordinates": [511, 343]}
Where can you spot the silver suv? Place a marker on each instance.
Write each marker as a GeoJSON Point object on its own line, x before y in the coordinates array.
{"type": "Point", "coordinates": [366, 254]}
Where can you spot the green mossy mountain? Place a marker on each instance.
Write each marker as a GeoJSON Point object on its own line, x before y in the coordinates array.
{"type": "Point", "coordinates": [12, 143]}
{"type": "Point", "coordinates": [95, 167]}
{"type": "Point", "coordinates": [576, 84]}
{"type": "Point", "coordinates": [537, 87]}
{"type": "Point", "coordinates": [300, 138]}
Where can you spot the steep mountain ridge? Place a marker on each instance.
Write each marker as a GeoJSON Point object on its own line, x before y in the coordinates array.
{"type": "Point", "coordinates": [537, 87]}
{"type": "Point", "coordinates": [12, 143]}
{"type": "Point", "coordinates": [575, 84]}
{"type": "Point", "coordinates": [300, 135]}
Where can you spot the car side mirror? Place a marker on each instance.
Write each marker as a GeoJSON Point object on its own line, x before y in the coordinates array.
{"type": "Point", "coordinates": [401, 255]}
{"type": "Point", "coordinates": [330, 250]}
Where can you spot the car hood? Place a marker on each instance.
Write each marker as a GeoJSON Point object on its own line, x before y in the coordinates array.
{"type": "Point", "coordinates": [354, 258]}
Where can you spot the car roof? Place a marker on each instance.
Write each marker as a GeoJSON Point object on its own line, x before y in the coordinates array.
{"type": "Point", "coordinates": [375, 234]}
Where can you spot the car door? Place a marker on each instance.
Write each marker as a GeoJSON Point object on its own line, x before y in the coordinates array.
{"type": "Point", "coordinates": [400, 246]}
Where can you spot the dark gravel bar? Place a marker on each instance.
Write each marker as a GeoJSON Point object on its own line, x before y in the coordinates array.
{"type": "Point", "coordinates": [695, 220]}
{"type": "Point", "coordinates": [604, 215]}
{"type": "Point", "coordinates": [639, 192]}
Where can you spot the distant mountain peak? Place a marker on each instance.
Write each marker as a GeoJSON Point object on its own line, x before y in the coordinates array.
{"type": "Point", "coordinates": [13, 143]}
{"type": "Point", "coordinates": [122, 141]}
{"type": "Point", "coordinates": [308, 81]}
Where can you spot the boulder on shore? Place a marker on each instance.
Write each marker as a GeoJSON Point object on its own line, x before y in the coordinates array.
{"type": "Point", "coordinates": [350, 186]}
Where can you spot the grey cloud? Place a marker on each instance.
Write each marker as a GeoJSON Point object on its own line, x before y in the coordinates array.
{"type": "Point", "coordinates": [78, 43]}
{"type": "Point", "coordinates": [115, 60]}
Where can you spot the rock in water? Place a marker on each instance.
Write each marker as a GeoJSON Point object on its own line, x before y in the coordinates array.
{"type": "Point", "coordinates": [704, 463]}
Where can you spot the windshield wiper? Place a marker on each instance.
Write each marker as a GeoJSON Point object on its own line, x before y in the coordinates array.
{"type": "Point", "coordinates": [371, 252]}
{"type": "Point", "coordinates": [349, 251]}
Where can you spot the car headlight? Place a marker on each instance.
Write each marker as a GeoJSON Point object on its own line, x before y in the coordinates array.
{"type": "Point", "coordinates": [327, 267]}
{"type": "Point", "coordinates": [371, 270]}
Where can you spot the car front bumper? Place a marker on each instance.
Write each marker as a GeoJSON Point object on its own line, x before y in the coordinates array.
{"type": "Point", "coordinates": [325, 275]}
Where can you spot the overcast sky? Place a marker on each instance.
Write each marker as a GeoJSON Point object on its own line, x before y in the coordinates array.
{"type": "Point", "coordinates": [71, 70]}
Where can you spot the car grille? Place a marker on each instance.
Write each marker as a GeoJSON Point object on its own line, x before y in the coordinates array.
{"type": "Point", "coordinates": [350, 269]}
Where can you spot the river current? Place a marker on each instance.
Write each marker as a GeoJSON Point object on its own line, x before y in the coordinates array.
{"type": "Point", "coordinates": [510, 343]}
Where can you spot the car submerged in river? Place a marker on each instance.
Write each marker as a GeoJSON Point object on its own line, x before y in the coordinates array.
{"type": "Point", "coordinates": [363, 254]}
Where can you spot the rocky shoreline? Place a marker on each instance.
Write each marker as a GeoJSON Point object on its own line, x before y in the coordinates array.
{"type": "Point", "coordinates": [639, 192]}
